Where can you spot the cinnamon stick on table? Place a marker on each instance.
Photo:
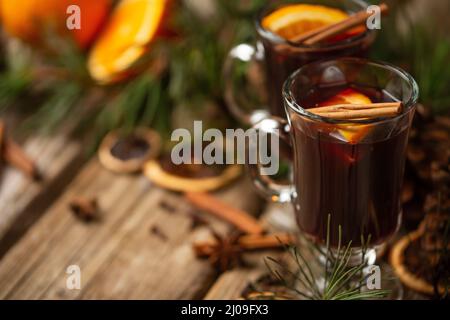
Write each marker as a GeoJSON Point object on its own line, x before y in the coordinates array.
{"type": "Point", "coordinates": [239, 218]}
{"type": "Point", "coordinates": [248, 242]}
{"type": "Point", "coordinates": [316, 35]}
{"type": "Point", "coordinates": [85, 209]}
{"type": "Point", "coordinates": [15, 156]}
{"type": "Point", "coordinates": [2, 135]}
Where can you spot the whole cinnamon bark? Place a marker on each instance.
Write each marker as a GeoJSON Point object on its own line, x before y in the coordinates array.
{"type": "Point", "coordinates": [248, 242]}
{"type": "Point", "coordinates": [2, 135]}
{"type": "Point", "coordinates": [239, 218]}
{"type": "Point", "coordinates": [314, 36]}
{"type": "Point", "coordinates": [15, 156]}
{"type": "Point", "coordinates": [356, 111]}
{"type": "Point", "coordinates": [353, 106]}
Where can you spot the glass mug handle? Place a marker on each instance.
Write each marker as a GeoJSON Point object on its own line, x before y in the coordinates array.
{"type": "Point", "coordinates": [244, 53]}
{"type": "Point", "coordinates": [269, 188]}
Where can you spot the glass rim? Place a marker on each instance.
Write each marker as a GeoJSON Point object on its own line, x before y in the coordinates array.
{"type": "Point", "coordinates": [273, 37]}
{"type": "Point", "coordinates": [291, 102]}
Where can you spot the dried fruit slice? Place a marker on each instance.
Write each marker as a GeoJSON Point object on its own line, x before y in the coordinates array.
{"type": "Point", "coordinates": [154, 171]}
{"type": "Point", "coordinates": [292, 20]}
{"type": "Point", "coordinates": [350, 132]}
{"type": "Point", "coordinates": [132, 27]}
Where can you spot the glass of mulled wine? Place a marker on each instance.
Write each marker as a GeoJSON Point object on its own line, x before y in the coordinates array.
{"type": "Point", "coordinates": [277, 52]}
{"type": "Point", "coordinates": [348, 160]}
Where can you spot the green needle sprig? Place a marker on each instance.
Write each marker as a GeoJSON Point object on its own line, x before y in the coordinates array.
{"type": "Point", "coordinates": [341, 280]}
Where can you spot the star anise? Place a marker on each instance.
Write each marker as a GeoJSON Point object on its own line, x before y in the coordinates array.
{"type": "Point", "coordinates": [85, 209]}
{"type": "Point", "coordinates": [225, 253]}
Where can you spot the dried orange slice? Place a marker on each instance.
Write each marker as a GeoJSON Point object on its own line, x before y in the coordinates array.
{"type": "Point", "coordinates": [350, 132]}
{"type": "Point", "coordinates": [132, 27]}
{"type": "Point", "coordinates": [292, 20]}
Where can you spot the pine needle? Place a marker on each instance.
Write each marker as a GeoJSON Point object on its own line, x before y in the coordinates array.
{"type": "Point", "coordinates": [341, 282]}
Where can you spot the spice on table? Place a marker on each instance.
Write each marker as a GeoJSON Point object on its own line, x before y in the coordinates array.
{"type": "Point", "coordinates": [239, 218]}
{"type": "Point", "coordinates": [196, 219]}
{"type": "Point", "coordinates": [225, 252]}
{"type": "Point", "coordinates": [85, 209]}
{"type": "Point", "coordinates": [167, 206]}
{"type": "Point", "coordinates": [2, 132]}
{"type": "Point", "coordinates": [247, 242]}
{"type": "Point", "coordinates": [14, 155]}
{"type": "Point", "coordinates": [155, 230]}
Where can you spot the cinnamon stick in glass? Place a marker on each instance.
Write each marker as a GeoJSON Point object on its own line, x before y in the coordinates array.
{"type": "Point", "coordinates": [359, 111]}
{"type": "Point", "coordinates": [328, 31]}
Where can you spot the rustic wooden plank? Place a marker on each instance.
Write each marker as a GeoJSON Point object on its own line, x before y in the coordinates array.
{"type": "Point", "coordinates": [40, 240]}
{"type": "Point", "coordinates": [58, 158]}
{"type": "Point", "coordinates": [22, 201]}
{"type": "Point", "coordinates": [231, 284]}
{"type": "Point", "coordinates": [119, 257]}
{"type": "Point", "coordinates": [153, 268]}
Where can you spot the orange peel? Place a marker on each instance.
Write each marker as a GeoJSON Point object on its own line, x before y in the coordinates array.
{"type": "Point", "coordinates": [290, 21]}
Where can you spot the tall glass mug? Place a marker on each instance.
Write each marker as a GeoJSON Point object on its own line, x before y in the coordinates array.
{"type": "Point", "coordinates": [348, 170]}
{"type": "Point", "coordinates": [280, 57]}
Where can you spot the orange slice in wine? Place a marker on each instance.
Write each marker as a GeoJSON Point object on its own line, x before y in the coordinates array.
{"type": "Point", "coordinates": [290, 21]}
{"type": "Point", "coordinates": [133, 26]}
{"type": "Point", "coordinates": [352, 133]}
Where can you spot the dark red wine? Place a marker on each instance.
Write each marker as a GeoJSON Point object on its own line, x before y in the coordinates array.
{"type": "Point", "coordinates": [352, 173]}
{"type": "Point", "coordinates": [281, 61]}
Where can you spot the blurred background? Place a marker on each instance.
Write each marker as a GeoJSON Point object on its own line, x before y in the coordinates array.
{"type": "Point", "coordinates": [46, 72]}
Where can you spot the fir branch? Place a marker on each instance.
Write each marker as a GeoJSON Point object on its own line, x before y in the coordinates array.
{"type": "Point", "coordinates": [56, 108]}
{"type": "Point", "coordinates": [12, 86]}
{"type": "Point", "coordinates": [15, 78]}
{"type": "Point", "coordinates": [195, 69]}
{"type": "Point", "coordinates": [142, 102]}
{"type": "Point", "coordinates": [340, 279]}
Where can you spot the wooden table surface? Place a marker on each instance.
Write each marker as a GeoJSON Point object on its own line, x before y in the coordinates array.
{"type": "Point", "coordinates": [120, 255]}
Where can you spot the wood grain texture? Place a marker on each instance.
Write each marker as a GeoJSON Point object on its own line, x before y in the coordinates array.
{"type": "Point", "coordinates": [58, 158]}
{"type": "Point", "coordinates": [22, 201]}
{"type": "Point", "coordinates": [231, 284]}
{"type": "Point", "coordinates": [119, 256]}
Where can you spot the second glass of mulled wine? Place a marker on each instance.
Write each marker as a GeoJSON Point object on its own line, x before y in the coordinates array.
{"type": "Point", "coordinates": [279, 54]}
{"type": "Point", "coordinates": [347, 122]}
